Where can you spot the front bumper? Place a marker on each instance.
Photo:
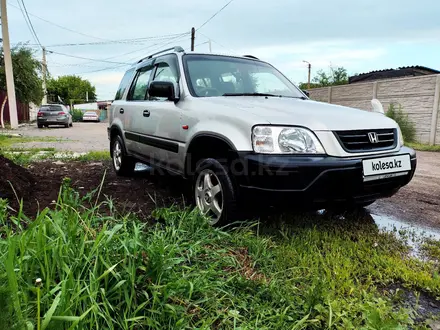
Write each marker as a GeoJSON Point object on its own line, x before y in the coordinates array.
{"type": "Point", "coordinates": [317, 179]}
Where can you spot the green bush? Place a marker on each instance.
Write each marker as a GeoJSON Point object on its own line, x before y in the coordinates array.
{"type": "Point", "coordinates": [77, 115]}
{"type": "Point", "coordinates": [407, 127]}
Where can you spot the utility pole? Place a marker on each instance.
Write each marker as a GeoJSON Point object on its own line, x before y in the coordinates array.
{"type": "Point", "coordinates": [309, 67]}
{"type": "Point", "coordinates": [87, 96]}
{"type": "Point", "coordinates": [44, 70]}
{"type": "Point", "coordinates": [193, 36]}
{"type": "Point", "coordinates": [210, 48]}
{"type": "Point", "coordinates": [10, 86]}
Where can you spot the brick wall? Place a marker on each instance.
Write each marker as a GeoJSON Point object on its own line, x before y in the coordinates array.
{"type": "Point", "coordinates": [417, 95]}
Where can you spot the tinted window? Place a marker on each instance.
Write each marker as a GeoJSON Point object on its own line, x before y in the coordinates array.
{"type": "Point", "coordinates": [123, 85]}
{"type": "Point", "coordinates": [140, 85]}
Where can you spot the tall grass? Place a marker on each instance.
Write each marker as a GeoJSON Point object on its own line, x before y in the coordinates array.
{"type": "Point", "coordinates": [103, 271]}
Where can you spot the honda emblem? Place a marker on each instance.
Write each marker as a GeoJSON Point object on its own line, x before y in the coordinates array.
{"type": "Point", "coordinates": [372, 136]}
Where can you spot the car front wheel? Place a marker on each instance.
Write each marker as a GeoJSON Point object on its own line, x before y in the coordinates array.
{"type": "Point", "coordinates": [123, 164]}
{"type": "Point", "coordinates": [214, 192]}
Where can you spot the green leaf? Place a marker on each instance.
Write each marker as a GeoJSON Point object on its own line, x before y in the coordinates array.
{"type": "Point", "coordinates": [49, 314]}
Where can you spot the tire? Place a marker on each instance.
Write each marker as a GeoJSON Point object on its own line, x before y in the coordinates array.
{"type": "Point", "coordinates": [71, 124]}
{"type": "Point", "coordinates": [218, 204]}
{"type": "Point", "coordinates": [123, 164]}
{"type": "Point", "coordinates": [40, 126]}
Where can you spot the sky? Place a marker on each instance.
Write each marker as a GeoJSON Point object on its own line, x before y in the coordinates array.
{"type": "Point", "coordinates": [360, 35]}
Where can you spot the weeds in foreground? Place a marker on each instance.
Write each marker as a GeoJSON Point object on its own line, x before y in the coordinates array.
{"type": "Point", "coordinates": [101, 271]}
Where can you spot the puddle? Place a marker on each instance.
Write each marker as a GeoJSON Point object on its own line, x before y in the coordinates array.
{"type": "Point", "coordinates": [141, 167]}
{"type": "Point", "coordinates": [414, 235]}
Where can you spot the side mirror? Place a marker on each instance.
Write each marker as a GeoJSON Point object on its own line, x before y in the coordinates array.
{"type": "Point", "coordinates": [165, 89]}
{"type": "Point", "coordinates": [306, 92]}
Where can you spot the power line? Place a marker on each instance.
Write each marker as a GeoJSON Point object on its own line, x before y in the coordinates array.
{"type": "Point", "coordinates": [85, 58]}
{"type": "Point", "coordinates": [61, 27]}
{"type": "Point", "coordinates": [124, 41]}
{"type": "Point", "coordinates": [28, 21]}
{"type": "Point", "coordinates": [218, 12]}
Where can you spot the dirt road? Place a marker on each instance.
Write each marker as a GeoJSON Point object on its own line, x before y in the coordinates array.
{"type": "Point", "coordinates": [418, 202]}
{"type": "Point", "coordinates": [82, 137]}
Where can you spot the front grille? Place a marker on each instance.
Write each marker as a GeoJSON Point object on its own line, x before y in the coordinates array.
{"type": "Point", "coordinates": [359, 140]}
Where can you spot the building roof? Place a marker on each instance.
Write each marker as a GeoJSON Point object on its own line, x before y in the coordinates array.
{"type": "Point", "coordinates": [407, 71]}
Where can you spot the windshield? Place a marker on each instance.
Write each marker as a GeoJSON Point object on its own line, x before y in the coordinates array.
{"type": "Point", "coordinates": [215, 75]}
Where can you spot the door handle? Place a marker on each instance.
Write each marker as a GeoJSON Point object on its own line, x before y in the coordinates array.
{"type": "Point", "coordinates": [146, 113]}
{"type": "Point", "coordinates": [121, 110]}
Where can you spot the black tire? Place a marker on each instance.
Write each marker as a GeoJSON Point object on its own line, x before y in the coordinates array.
{"type": "Point", "coordinates": [71, 124]}
{"type": "Point", "coordinates": [123, 164]}
{"type": "Point", "coordinates": [40, 126]}
{"type": "Point", "coordinates": [222, 176]}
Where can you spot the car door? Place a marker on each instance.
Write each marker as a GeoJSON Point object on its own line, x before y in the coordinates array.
{"type": "Point", "coordinates": [118, 108]}
{"type": "Point", "coordinates": [136, 106]}
{"type": "Point", "coordinates": [163, 128]}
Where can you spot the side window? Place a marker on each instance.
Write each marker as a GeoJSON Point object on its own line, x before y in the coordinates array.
{"type": "Point", "coordinates": [165, 73]}
{"type": "Point", "coordinates": [138, 91]}
{"type": "Point", "coordinates": [123, 85]}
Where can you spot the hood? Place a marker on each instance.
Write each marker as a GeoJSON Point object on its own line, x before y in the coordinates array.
{"type": "Point", "coordinates": [318, 116]}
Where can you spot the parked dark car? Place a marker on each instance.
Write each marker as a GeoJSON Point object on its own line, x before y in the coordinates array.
{"type": "Point", "coordinates": [54, 114]}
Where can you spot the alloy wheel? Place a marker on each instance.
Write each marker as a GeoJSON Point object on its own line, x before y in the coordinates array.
{"type": "Point", "coordinates": [209, 195]}
{"type": "Point", "coordinates": [117, 155]}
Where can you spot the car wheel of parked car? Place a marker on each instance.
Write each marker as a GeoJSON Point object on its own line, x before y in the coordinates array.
{"type": "Point", "coordinates": [40, 126]}
{"type": "Point", "coordinates": [214, 192]}
{"type": "Point", "coordinates": [123, 164]}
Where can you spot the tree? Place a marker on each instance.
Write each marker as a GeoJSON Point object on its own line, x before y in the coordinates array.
{"type": "Point", "coordinates": [338, 76]}
{"type": "Point", "coordinates": [71, 88]}
{"type": "Point", "coordinates": [27, 77]}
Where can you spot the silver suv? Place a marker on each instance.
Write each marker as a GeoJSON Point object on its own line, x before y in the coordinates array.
{"type": "Point", "coordinates": [233, 125]}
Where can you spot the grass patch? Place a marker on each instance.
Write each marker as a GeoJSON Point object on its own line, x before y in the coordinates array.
{"type": "Point", "coordinates": [424, 147]}
{"type": "Point", "coordinates": [107, 271]}
{"type": "Point", "coordinates": [7, 141]}
{"type": "Point", "coordinates": [95, 156]}
{"type": "Point", "coordinates": [25, 156]}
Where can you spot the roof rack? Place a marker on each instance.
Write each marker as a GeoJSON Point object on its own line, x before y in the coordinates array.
{"type": "Point", "coordinates": [251, 56]}
{"type": "Point", "coordinates": [177, 49]}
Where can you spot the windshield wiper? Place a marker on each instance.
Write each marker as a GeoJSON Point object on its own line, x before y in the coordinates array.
{"type": "Point", "coordinates": [250, 94]}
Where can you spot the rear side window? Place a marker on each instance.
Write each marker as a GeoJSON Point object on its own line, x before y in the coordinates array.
{"type": "Point", "coordinates": [124, 83]}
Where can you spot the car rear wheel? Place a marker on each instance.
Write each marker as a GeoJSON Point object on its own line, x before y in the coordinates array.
{"type": "Point", "coordinates": [123, 164]}
{"type": "Point", "coordinates": [214, 192]}
{"type": "Point", "coordinates": [40, 126]}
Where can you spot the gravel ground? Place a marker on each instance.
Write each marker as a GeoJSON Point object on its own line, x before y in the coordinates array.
{"type": "Point", "coordinates": [82, 137]}
{"type": "Point", "coordinates": [418, 202]}
{"type": "Point", "coordinates": [415, 204]}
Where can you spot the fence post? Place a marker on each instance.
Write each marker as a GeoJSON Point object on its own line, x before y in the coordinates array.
{"type": "Point", "coordinates": [433, 132]}
{"type": "Point", "coordinates": [330, 94]}
{"type": "Point", "coordinates": [375, 84]}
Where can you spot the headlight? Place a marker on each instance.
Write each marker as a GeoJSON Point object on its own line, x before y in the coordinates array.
{"type": "Point", "coordinates": [285, 140]}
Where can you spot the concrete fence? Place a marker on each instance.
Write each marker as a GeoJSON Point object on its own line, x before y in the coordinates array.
{"type": "Point", "coordinates": [418, 96]}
